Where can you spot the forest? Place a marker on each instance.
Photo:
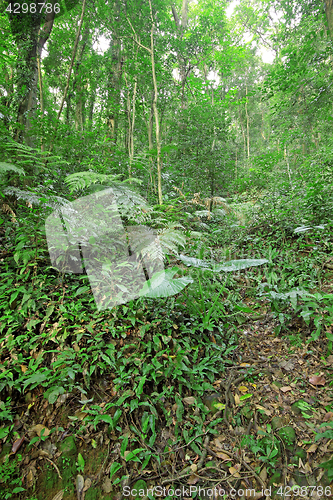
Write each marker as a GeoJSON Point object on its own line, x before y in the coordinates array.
{"type": "Point", "coordinates": [166, 263]}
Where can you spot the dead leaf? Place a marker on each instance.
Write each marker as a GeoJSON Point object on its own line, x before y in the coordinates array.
{"type": "Point", "coordinates": [107, 486]}
{"type": "Point", "coordinates": [193, 479]}
{"type": "Point", "coordinates": [286, 388]}
{"type": "Point", "coordinates": [242, 388]}
{"type": "Point", "coordinates": [307, 468]}
{"type": "Point", "coordinates": [23, 368]}
{"type": "Point", "coordinates": [80, 414]}
{"type": "Point", "coordinates": [312, 448]}
{"type": "Point", "coordinates": [38, 430]}
{"type": "Point", "coordinates": [189, 401]}
{"type": "Point", "coordinates": [328, 416]}
{"type": "Point", "coordinates": [79, 483]}
{"type": "Point", "coordinates": [287, 365]}
{"type": "Point", "coordinates": [31, 477]}
{"type": "Point", "coordinates": [222, 456]}
{"type": "Point", "coordinates": [218, 442]}
{"type": "Point", "coordinates": [267, 412]}
{"type": "Point", "coordinates": [194, 467]}
{"type": "Point", "coordinates": [87, 484]}
{"type": "Point", "coordinates": [59, 495]}
{"type": "Point", "coordinates": [234, 472]}
{"type": "Point", "coordinates": [263, 474]}
{"type": "Point", "coordinates": [317, 380]}
{"type": "Point", "coordinates": [17, 444]}
{"type": "Point", "coordinates": [237, 400]}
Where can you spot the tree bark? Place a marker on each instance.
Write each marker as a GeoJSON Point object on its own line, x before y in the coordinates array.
{"type": "Point", "coordinates": [30, 39]}
{"type": "Point", "coordinates": [157, 122]}
{"type": "Point", "coordinates": [69, 73]}
{"type": "Point", "coordinates": [328, 4]}
{"type": "Point", "coordinates": [247, 126]}
{"type": "Point", "coordinates": [78, 88]}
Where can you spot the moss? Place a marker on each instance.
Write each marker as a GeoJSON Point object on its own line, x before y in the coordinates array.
{"type": "Point", "coordinates": [93, 494]}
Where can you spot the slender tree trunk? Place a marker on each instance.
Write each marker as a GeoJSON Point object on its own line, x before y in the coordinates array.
{"type": "Point", "coordinates": [236, 164]}
{"type": "Point", "coordinates": [30, 40]}
{"type": "Point", "coordinates": [157, 121]}
{"type": "Point", "coordinates": [288, 166]}
{"type": "Point", "coordinates": [131, 122]}
{"type": "Point", "coordinates": [328, 4]}
{"type": "Point", "coordinates": [243, 132]}
{"type": "Point", "coordinates": [78, 88]}
{"type": "Point", "coordinates": [40, 94]}
{"type": "Point", "coordinates": [247, 126]}
{"type": "Point", "coordinates": [151, 144]}
{"type": "Point", "coordinates": [69, 73]}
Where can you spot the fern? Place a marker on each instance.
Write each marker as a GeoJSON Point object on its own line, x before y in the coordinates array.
{"type": "Point", "coordinates": [82, 180]}
{"type": "Point", "coordinates": [54, 202]}
{"type": "Point", "coordinates": [26, 157]}
{"type": "Point", "coordinates": [9, 167]}
{"type": "Point", "coordinates": [171, 239]}
{"type": "Point", "coordinates": [130, 204]}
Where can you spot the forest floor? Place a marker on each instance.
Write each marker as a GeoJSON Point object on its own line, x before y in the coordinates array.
{"type": "Point", "coordinates": [260, 441]}
{"type": "Point", "coordinates": [165, 408]}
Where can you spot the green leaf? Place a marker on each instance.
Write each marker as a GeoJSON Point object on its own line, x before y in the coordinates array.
{"type": "Point", "coordinates": [237, 265]}
{"type": "Point", "coordinates": [9, 167]}
{"type": "Point", "coordinates": [232, 265]}
{"type": "Point", "coordinates": [132, 455]}
{"type": "Point", "coordinates": [245, 396]}
{"type": "Point", "coordinates": [49, 311]}
{"type": "Point", "coordinates": [80, 290]}
{"type": "Point", "coordinates": [162, 284]}
{"type": "Point", "coordinates": [124, 446]}
{"type": "Point", "coordinates": [114, 468]}
{"type": "Point", "coordinates": [140, 386]}
{"type": "Point", "coordinates": [80, 461]}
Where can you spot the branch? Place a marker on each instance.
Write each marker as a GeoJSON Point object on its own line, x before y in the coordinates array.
{"type": "Point", "coordinates": [175, 16]}
{"type": "Point", "coordinates": [136, 38]}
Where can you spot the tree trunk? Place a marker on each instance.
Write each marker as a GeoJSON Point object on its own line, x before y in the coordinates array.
{"type": "Point", "coordinates": [243, 132]}
{"type": "Point", "coordinates": [328, 4]}
{"type": "Point", "coordinates": [151, 143]}
{"type": "Point", "coordinates": [247, 126]}
{"type": "Point", "coordinates": [69, 73]}
{"type": "Point", "coordinates": [157, 123]}
{"type": "Point", "coordinates": [78, 88]}
{"type": "Point", "coordinates": [30, 39]}
{"type": "Point", "coordinates": [131, 121]}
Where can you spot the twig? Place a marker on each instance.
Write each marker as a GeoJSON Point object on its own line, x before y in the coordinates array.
{"type": "Point", "coordinates": [54, 465]}
{"type": "Point", "coordinates": [101, 469]}
{"type": "Point", "coordinates": [239, 459]}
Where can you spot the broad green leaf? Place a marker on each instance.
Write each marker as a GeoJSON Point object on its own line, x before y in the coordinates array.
{"type": "Point", "coordinates": [232, 265]}
{"type": "Point", "coordinates": [237, 265]}
{"type": "Point", "coordinates": [82, 289]}
{"type": "Point", "coordinates": [191, 261]}
{"type": "Point", "coordinates": [157, 287]}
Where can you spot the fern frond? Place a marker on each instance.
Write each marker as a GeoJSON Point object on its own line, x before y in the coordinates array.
{"type": "Point", "coordinates": [55, 202]}
{"type": "Point", "coordinates": [9, 167]}
{"type": "Point", "coordinates": [82, 180]}
{"type": "Point", "coordinates": [171, 239]}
